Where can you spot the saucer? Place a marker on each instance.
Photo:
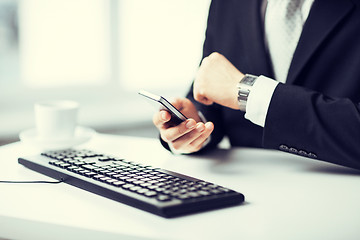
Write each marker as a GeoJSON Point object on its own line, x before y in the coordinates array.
{"type": "Point", "coordinates": [81, 135]}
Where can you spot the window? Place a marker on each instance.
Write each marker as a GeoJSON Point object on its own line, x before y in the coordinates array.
{"type": "Point", "coordinates": [99, 52]}
{"type": "Point", "coordinates": [64, 42]}
{"type": "Point", "coordinates": [9, 43]}
{"type": "Point", "coordinates": [160, 42]}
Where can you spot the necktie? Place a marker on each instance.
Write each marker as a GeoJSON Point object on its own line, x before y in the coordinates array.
{"type": "Point", "coordinates": [283, 26]}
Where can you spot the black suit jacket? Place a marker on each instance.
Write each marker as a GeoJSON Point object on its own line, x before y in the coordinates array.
{"type": "Point", "coordinates": [317, 112]}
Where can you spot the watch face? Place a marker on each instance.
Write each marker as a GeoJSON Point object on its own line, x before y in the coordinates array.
{"type": "Point", "coordinates": [249, 80]}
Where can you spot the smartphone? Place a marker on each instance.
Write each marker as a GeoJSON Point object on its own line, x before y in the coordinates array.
{"type": "Point", "coordinates": [176, 116]}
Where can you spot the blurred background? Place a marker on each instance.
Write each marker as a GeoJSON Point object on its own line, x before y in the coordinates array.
{"type": "Point", "coordinates": [99, 53]}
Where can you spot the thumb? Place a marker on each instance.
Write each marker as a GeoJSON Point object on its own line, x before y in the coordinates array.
{"type": "Point", "coordinates": [178, 103]}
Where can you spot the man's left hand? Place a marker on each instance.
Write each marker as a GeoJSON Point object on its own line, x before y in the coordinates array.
{"type": "Point", "coordinates": [216, 81]}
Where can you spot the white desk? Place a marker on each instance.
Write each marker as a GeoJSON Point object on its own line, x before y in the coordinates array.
{"type": "Point", "coordinates": [287, 197]}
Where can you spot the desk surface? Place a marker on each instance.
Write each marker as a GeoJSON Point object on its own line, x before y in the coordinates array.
{"type": "Point", "coordinates": [287, 197]}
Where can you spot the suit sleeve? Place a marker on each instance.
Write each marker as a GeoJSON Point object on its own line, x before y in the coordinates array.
{"type": "Point", "coordinates": [310, 124]}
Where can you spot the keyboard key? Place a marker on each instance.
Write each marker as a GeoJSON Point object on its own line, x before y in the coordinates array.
{"type": "Point", "coordinates": [150, 194]}
{"type": "Point", "coordinates": [64, 165]}
{"type": "Point", "coordinates": [77, 170]}
{"type": "Point", "coordinates": [67, 159]}
{"type": "Point", "coordinates": [203, 193]}
{"type": "Point", "coordinates": [79, 163]}
{"type": "Point", "coordinates": [117, 176]}
{"type": "Point", "coordinates": [72, 168]}
{"type": "Point", "coordinates": [138, 182]}
{"type": "Point", "coordinates": [57, 163]}
{"type": "Point", "coordinates": [142, 190]}
{"type": "Point", "coordinates": [194, 194]}
{"type": "Point", "coordinates": [106, 167]}
{"type": "Point", "coordinates": [159, 189]}
{"type": "Point", "coordinates": [118, 183]}
{"type": "Point", "coordinates": [104, 179]}
{"type": "Point", "coordinates": [111, 181]}
{"type": "Point", "coordinates": [104, 159]}
{"type": "Point", "coordinates": [104, 171]}
{"type": "Point", "coordinates": [127, 186]}
{"type": "Point", "coordinates": [131, 180]}
{"type": "Point", "coordinates": [135, 188]}
{"type": "Point", "coordinates": [98, 169]}
{"type": "Point", "coordinates": [89, 167]}
{"type": "Point", "coordinates": [83, 172]}
{"type": "Point", "coordinates": [163, 198]}
{"type": "Point", "coordinates": [110, 174]}
{"type": "Point", "coordinates": [153, 181]}
{"type": "Point", "coordinates": [97, 177]}
{"type": "Point", "coordinates": [216, 191]}
{"type": "Point", "coordinates": [112, 169]}
{"type": "Point", "coordinates": [90, 174]}
{"type": "Point", "coordinates": [183, 196]}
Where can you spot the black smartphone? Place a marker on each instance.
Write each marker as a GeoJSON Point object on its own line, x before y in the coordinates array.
{"type": "Point", "coordinates": [176, 116]}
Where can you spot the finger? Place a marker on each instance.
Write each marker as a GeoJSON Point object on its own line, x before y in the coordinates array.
{"type": "Point", "coordinates": [181, 144]}
{"type": "Point", "coordinates": [172, 133]}
{"type": "Point", "coordinates": [160, 118]}
{"type": "Point", "coordinates": [192, 141]}
{"type": "Point", "coordinates": [177, 103]}
{"type": "Point", "coordinates": [182, 104]}
{"type": "Point", "coordinates": [197, 144]}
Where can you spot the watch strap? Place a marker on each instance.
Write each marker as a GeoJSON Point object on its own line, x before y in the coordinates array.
{"type": "Point", "coordinates": [244, 89]}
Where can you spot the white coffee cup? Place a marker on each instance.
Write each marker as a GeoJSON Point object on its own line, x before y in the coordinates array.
{"type": "Point", "coordinates": [56, 120]}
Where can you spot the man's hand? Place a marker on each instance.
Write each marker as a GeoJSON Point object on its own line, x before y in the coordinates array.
{"type": "Point", "coordinates": [216, 81]}
{"type": "Point", "coordinates": [190, 135]}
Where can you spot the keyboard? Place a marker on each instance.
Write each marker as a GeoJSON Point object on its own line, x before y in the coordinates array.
{"type": "Point", "coordinates": [155, 190]}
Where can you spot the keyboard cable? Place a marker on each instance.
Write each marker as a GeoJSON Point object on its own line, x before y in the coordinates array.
{"type": "Point", "coordinates": [51, 182]}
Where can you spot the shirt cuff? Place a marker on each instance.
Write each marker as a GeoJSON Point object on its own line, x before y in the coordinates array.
{"type": "Point", "coordinates": [259, 100]}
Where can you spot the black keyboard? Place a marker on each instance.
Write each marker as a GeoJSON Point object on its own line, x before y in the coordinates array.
{"type": "Point", "coordinates": [161, 192]}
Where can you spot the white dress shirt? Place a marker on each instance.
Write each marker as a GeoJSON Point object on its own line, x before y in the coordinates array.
{"type": "Point", "coordinates": [264, 87]}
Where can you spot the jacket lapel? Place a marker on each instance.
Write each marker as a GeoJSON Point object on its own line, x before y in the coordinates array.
{"type": "Point", "coordinates": [324, 16]}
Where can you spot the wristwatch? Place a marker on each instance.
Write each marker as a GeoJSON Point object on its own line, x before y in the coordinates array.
{"type": "Point", "coordinates": [244, 89]}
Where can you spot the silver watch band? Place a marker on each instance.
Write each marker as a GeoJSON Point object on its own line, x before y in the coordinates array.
{"type": "Point", "coordinates": [244, 89]}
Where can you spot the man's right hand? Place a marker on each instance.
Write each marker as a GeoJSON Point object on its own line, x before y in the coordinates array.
{"type": "Point", "coordinates": [190, 135]}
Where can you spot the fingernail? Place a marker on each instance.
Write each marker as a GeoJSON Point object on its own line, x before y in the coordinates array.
{"type": "Point", "coordinates": [190, 124]}
{"type": "Point", "coordinates": [208, 125]}
{"type": "Point", "coordinates": [200, 127]}
{"type": "Point", "coordinates": [163, 116]}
